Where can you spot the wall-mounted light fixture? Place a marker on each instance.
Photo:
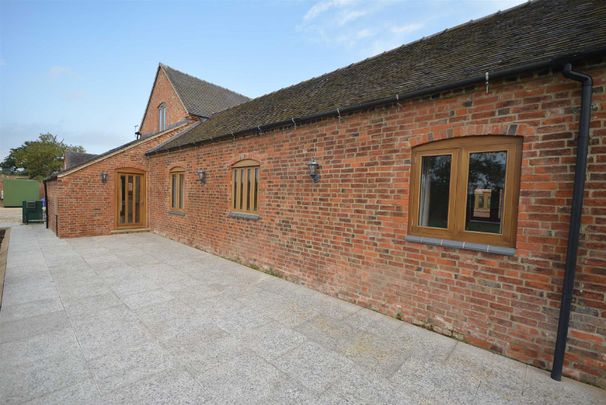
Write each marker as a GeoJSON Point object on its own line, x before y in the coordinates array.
{"type": "Point", "coordinates": [201, 176]}
{"type": "Point", "coordinates": [103, 177]}
{"type": "Point", "coordinates": [313, 170]}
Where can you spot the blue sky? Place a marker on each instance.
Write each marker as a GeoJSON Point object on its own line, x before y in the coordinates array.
{"type": "Point", "coordinates": [83, 70]}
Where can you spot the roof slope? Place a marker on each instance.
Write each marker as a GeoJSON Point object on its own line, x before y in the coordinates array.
{"type": "Point", "coordinates": [536, 33]}
{"type": "Point", "coordinates": [178, 129]}
{"type": "Point", "coordinates": [74, 159]}
{"type": "Point", "coordinates": [200, 97]}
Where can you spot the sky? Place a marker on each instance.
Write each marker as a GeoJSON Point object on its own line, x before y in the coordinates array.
{"type": "Point", "coordinates": [83, 70]}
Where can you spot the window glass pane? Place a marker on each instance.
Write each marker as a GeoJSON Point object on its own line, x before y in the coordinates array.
{"type": "Point", "coordinates": [173, 199]}
{"type": "Point", "coordinates": [435, 188]}
{"type": "Point", "coordinates": [181, 190]}
{"type": "Point", "coordinates": [248, 196]}
{"type": "Point", "coordinates": [122, 199]}
{"type": "Point", "coordinates": [240, 197]}
{"type": "Point", "coordinates": [485, 191]}
{"type": "Point", "coordinates": [235, 193]}
{"type": "Point", "coordinates": [137, 198]}
{"type": "Point", "coordinates": [129, 215]}
{"type": "Point", "coordinates": [256, 188]}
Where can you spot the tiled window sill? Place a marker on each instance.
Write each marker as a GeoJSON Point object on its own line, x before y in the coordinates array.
{"type": "Point", "coordinates": [177, 213]}
{"type": "Point", "coordinates": [455, 244]}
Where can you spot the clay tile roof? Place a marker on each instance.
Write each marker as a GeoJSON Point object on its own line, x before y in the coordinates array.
{"type": "Point", "coordinates": [200, 97]}
{"type": "Point", "coordinates": [532, 35]}
{"type": "Point", "coordinates": [73, 159]}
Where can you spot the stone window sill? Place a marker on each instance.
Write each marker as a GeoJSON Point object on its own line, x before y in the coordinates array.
{"type": "Point", "coordinates": [243, 215]}
{"type": "Point", "coordinates": [455, 244]}
{"type": "Point", "coordinates": [177, 213]}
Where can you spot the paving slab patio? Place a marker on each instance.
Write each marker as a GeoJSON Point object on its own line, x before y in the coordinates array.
{"type": "Point", "coordinates": [138, 318]}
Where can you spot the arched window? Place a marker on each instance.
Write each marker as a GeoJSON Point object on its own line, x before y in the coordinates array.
{"type": "Point", "coordinates": [162, 117]}
{"type": "Point", "coordinates": [466, 189]}
{"type": "Point", "coordinates": [177, 189]}
{"type": "Point", "coordinates": [245, 186]}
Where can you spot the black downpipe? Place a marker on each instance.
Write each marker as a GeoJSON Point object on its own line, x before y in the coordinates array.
{"type": "Point", "coordinates": [575, 218]}
{"type": "Point", "coordinates": [46, 203]}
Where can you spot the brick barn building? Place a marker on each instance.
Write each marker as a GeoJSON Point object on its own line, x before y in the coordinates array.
{"type": "Point", "coordinates": [433, 183]}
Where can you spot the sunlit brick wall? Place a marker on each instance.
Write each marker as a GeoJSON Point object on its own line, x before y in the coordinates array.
{"type": "Point", "coordinates": [345, 235]}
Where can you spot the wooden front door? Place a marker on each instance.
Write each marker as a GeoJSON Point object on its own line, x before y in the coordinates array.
{"type": "Point", "coordinates": [130, 205]}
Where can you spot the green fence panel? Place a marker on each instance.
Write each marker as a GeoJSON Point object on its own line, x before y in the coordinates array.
{"type": "Point", "coordinates": [18, 190]}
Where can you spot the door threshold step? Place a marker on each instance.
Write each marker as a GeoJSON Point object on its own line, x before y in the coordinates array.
{"type": "Point", "coordinates": [130, 230]}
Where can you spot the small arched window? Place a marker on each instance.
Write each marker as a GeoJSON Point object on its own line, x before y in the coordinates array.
{"type": "Point", "coordinates": [245, 186]}
{"type": "Point", "coordinates": [177, 189]}
{"type": "Point", "coordinates": [162, 117]}
{"type": "Point", "coordinates": [466, 189]}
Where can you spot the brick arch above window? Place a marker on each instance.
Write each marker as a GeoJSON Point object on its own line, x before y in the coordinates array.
{"type": "Point", "coordinates": [448, 132]}
{"type": "Point", "coordinates": [246, 163]}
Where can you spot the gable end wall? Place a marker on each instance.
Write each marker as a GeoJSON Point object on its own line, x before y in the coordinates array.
{"type": "Point", "coordinates": [85, 206]}
{"type": "Point", "coordinates": [162, 92]}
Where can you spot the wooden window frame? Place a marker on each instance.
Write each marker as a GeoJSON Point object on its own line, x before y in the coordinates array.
{"type": "Point", "coordinates": [177, 204]}
{"type": "Point", "coordinates": [460, 149]}
{"type": "Point", "coordinates": [244, 201]}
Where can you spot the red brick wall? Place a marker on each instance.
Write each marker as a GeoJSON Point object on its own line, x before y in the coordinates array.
{"type": "Point", "coordinates": [52, 188]}
{"type": "Point", "coordinates": [345, 235]}
{"type": "Point", "coordinates": [162, 92]}
{"type": "Point", "coordinates": [85, 205]}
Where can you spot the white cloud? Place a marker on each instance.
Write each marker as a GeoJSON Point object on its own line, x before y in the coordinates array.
{"type": "Point", "coordinates": [368, 27]}
{"type": "Point", "coordinates": [350, 15]}
{"type": "Point", "coordinates": [353, 24]}
{"type": "Point", "coordinates": [323, 6]}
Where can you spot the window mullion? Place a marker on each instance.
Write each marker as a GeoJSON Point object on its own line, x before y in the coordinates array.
{"type": "Point", "coordinates": [458, 196]}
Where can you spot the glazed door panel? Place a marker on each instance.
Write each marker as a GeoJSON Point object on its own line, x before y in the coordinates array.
{"type": "Point", "coordinates": [131, 200]}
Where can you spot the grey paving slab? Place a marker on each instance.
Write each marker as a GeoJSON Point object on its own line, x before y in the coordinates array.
{"type": "Point", "coordinates": [126, 288]}
{"type": "Point", "coordinates": [32, 326]}
{"type": "Point", "coordinates": [201, 353]}
{"type": "Point", "coordinates": [22, 293]}
{"type": "Point", "coordinates": [381, 355]}
{"type": "Point", "coordinates": [27, 381]}
{"type": "Point", "coordinates": [272, 340]}
{"type": "Point", "coordinates": [245, 379]}
{"type": "Point", "coordinates": [128, 365]}
{"type": "Point", "coordinates": [170, 319]}
{"type": "Point", "coordinates": [144, 298]}
{"type": "Point", "coordinates": [137, 318]}
{"type": "Point", "coordinates": [328, 332]}
{"type": "Point", "coordinates": [314, 366]}
{"type": "Point", "coordinates": [172, 387]}
{"type": "Point", "coordinates": [85, 392]}
{"type": "Point", "coordinates": [28, 309]}
{"type": "Point", "coordinates": [78, 307]}
{"type": "Point", "coordinates": [38, 347]}
{"type": "Point", "coordinates": [359, 385]}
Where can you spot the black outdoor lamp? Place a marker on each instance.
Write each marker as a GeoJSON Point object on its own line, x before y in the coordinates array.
{"type": "Point", "coordinates": [201, 176]}
{"type": "Point", "coordinates": [313, 170]}
{"type": "Point", "coordinates": [103, 177]}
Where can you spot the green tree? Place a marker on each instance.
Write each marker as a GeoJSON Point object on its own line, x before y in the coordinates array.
{"type": "Point", "coordinates": [40, 158]}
